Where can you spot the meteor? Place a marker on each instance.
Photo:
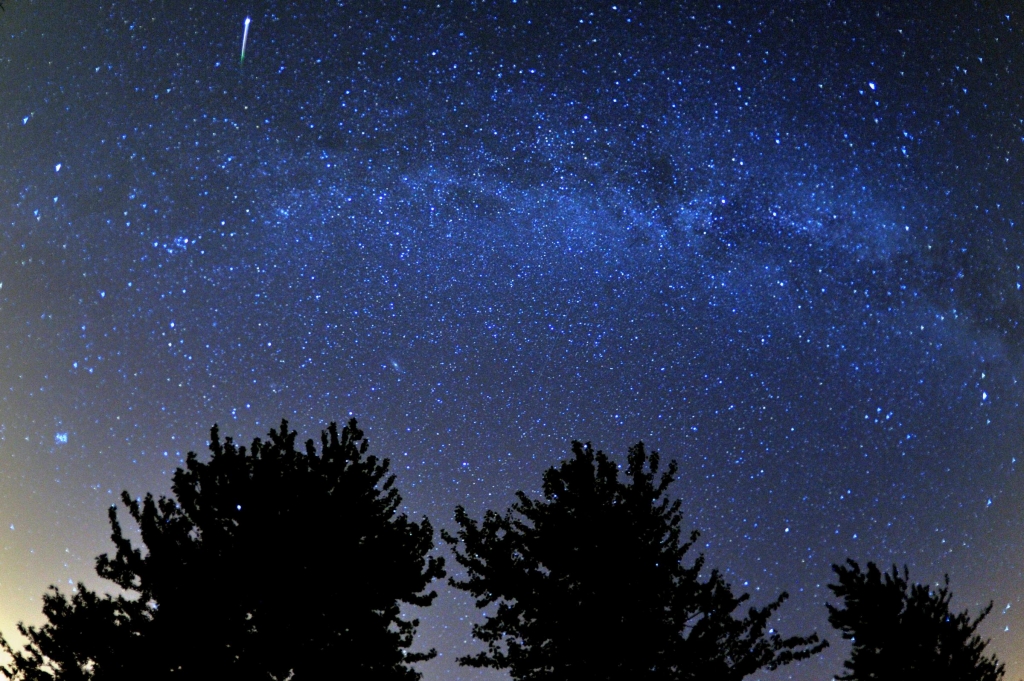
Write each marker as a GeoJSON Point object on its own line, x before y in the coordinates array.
{"type": "Point", "coordinates": [245, 38]}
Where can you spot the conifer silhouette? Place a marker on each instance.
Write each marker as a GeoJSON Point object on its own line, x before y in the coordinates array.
{"type": "Point", "coordinates": [905, 631]}
{"type": "Point", "coordinates": [589, 583]}
{"type": "Point", "coordinates": [267, 563]}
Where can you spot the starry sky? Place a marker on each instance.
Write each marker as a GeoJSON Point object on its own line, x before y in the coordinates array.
{"type": "Point", "coordinates": [778, 242]}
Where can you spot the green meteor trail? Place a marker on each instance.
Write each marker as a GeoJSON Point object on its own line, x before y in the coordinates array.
{"type": "Point", "coordinates": [245, 38]}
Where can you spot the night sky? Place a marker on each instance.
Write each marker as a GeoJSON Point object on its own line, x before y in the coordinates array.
{"type": "Point", "coordinates": [779, 242]}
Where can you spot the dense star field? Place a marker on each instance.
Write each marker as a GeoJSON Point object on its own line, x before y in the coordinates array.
{"type": "Point", "coordinates": [778, 242]}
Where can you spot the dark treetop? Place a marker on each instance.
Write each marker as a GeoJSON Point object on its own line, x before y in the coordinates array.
{"type": "Point", "coordinates": [590, 583]}
{"type": "Point", "coordinates": [265, 562]}
{"type": "Point", "coordinates": [902, 631]}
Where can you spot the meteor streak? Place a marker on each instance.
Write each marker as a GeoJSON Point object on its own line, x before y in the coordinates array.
{"type": "Point", "coordinates": [245, 38]}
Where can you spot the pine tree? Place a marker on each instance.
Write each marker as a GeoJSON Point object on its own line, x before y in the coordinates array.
{"type": "Point", "coordinates": [591, 582]}
{"type": "Point", "coordinates": [266, 563]}
{"type": "Point", "coordinates": [905, 631]}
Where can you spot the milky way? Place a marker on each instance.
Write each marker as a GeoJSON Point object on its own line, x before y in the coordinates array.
{"type": "Point", "coordinates": [781, 246]}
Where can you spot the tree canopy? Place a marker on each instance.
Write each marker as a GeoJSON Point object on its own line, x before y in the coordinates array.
{"type": "Point", "coordinates": [270, 563]}
{"type": "Point", "coordinates": [266, 563]}
{"type": "Point", "coordinates": [591, 582]}
{"type": "Point", "coordinates": [901, 630]}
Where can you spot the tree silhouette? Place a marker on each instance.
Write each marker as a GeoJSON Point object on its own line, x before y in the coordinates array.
{"type": "Point", "coordinates": [589, 583]}
{"type": "Point", "coordinates": [904, 631]}
{"type": "Point", "coordinates": [267, 563]}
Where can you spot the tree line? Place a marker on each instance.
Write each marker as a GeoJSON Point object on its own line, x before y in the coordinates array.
{"type": "Point", "coordinates": [272, 563]}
